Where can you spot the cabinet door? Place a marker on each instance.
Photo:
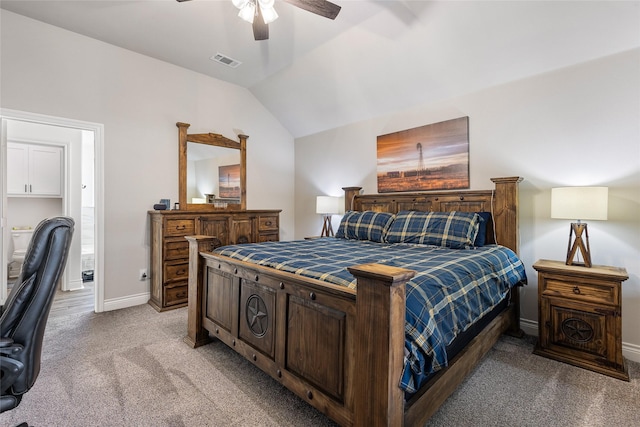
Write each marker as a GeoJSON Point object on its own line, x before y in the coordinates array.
{"type": "Point", "coordinates": [34, 170]}
{"type": "Point", "coordinates": [585, 330]}
{"type": "Point", "coordinates": [217, 227]}
{"type": "Point", "coordinates": [17, 169]}
{"type": "Point", "coordinates": [243, 230]}
{"type": "Point", "coordinates": [45, 170]}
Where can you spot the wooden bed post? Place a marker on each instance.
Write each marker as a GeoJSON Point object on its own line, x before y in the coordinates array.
{"type": "Point", "coordinates": [349, 194]}
{"type": "Point", "coordinates": [197, 335]}
{"type": "Point", "coordinates": [507, 226]}
{"type": "Point", "coordinates": [505, 211]}
{"type": "Point", "coordinates": [379, 346]}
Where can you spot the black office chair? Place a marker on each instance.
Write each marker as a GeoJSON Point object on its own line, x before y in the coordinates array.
{"type": "Point", "coordinates": [24, 315]}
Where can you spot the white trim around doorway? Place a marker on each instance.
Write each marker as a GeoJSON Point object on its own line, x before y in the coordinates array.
{"type": "Point", "coordinates": [98, 131]}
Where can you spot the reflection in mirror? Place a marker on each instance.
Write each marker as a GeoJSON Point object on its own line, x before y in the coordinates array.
{"type": "Point", "coordinates": [212, 171]}
{"type": "Point", "coordinates": [213, 175]}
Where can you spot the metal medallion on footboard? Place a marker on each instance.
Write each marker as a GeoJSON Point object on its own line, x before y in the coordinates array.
{"type": "Point", "coordinates": [339, 349]}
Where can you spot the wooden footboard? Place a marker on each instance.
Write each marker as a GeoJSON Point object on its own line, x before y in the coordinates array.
{"type": "Point", "coordinates": [339, 350]}
{"type": "Point", "coordinates": [318, 340]}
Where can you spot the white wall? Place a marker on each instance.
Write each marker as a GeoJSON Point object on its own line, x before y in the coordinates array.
{"type": "Point", "coordinates": [575, 126]}
{"type": "Point", "coordinates": [48, 70]}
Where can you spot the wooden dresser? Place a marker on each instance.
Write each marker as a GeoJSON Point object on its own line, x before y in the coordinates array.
{"type": "Point", "coordinates": [580, 316]}
{"type": "Point", "coordinates": [170, 250]}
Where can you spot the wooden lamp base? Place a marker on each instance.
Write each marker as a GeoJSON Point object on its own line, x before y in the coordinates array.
{"type": "Point", "coordinates": [578, 244]}
{"type": "Point", "coordinates": [327, 229]}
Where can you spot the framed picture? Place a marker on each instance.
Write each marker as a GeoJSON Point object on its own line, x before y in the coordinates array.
{"type": "Point", "coordinates": [430, 157]}
{"type": "Point", "coordinates": [229, 181]}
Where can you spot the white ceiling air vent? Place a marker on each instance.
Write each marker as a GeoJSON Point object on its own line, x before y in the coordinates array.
{"type": "Point", "coordinates": [223, 59]}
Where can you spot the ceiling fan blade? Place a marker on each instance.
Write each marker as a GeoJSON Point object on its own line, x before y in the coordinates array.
{"type": "Point", "coordinates": [260, 29]}
{"type": "Point", "coordinates": [319, 7]}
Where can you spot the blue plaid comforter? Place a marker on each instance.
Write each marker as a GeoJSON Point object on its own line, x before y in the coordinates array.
{"type": "Point", "coordinates": [451, 290]}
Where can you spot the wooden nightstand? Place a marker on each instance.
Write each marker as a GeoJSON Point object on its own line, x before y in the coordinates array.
{"type": "Point", "coordinates": [580, 316]}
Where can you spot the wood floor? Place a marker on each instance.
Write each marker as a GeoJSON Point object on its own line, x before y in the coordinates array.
{"type": "Point", "coordinates": [71, 302]}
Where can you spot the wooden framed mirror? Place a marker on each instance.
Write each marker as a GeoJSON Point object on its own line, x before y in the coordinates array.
{"type": "Point", "coordinates": [212, 171]}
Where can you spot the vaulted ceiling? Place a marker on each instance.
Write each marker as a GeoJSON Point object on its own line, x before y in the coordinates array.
{"type": "Point", "coordinates": [376, 57]}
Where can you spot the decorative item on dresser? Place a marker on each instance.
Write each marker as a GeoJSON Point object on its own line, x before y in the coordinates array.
{"type": "Point", "coordinates": [341, 348]}
{"type": "Point", "coordinates": [580, 316]}
{"type": "Point", "coordinates": [170, 249]}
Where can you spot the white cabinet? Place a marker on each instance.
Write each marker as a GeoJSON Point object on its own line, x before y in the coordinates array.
{"type": "Point", "coordinates": [34, 170]}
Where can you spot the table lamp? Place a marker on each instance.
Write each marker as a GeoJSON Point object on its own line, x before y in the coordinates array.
{"type": "Point", "coordinates": [327, 206]}
{"type": "Point", "coordinates": [579, 203]}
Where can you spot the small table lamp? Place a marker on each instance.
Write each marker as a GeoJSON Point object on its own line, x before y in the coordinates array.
{"type": "Point", "coordinates": [579, 203]}
{"type": "Point", "coordinates": [327, 206]}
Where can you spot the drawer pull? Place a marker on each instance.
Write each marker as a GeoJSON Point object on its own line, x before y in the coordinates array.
{"type": "Point", "coordinates": [181, 227]}
{"type": "Point", "coordinates": [576, 290]}
{"type": "Point", "coordinates": [268, 223]}
{"type": "Point", "coordinates": [279, 373]}
{"type": "Point", "coordinates": [312, 295]}
{"type": "Point", "coordinates": [181, 272]}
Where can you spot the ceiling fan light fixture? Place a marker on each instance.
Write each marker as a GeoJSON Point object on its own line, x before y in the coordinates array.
{"type": "Point", "coordinates": [269, 15]}
{"type": "Point", "coordinates": [240, 3]}
{"type": "Point", "coordinates": [248, 12]}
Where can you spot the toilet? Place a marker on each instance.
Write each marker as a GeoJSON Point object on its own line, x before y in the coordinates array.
{"type": "Point", "coordinates": [18, 244]}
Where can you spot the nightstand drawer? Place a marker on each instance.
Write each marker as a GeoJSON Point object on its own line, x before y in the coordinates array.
{"type": "Point", "coordinates": [581, 290]}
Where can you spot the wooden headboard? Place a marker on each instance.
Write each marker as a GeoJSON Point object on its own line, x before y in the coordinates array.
{"type": "Point", "coordinates": [502, 202]}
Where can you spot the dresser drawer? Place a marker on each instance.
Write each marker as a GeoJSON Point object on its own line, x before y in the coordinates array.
{"type": "Point", "coordinates": [176, 249]}
{"type": "Point", "coordinates": [179, 227]}
{"type": "Point", "coordinates": [176, 270]}
{"type": "Point", "coordinates": [176, 294]}
{"type": "Point", "coordinates": [583, 291]}
{"type": "Point", "coordinates": [268, 223]}
{"type": "Point", "coordinates": [268, 237]}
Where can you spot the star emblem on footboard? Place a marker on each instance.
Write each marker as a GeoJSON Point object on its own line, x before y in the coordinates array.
{"type": "Point", "coordinates": [257, 316]}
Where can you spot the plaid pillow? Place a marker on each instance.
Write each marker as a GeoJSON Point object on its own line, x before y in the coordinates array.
{"type": "Point", "coordinates": [366, 225]}
{"type": "Point", "coordinates": [455, 230]}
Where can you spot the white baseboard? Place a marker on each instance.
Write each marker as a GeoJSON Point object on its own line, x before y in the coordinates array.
{"type": "Point", "coordinates": [124, 302]}
{"type": "Point", "coordinates": [630, 351]}
{"type": "Point", "coordinates": [75, 285]}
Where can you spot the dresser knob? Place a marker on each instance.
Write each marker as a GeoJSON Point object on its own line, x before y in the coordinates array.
{"type": "Point", "coordinates": [576, 290]}
{"type": "Point", "coordinates": [254, 357]}
{"type": "Point", "coordinates": [281, 285]}
{"type": "Point", "coordinates": [279, 373]}
{"type": "Point", "coordinates": [309, 394]}
{"type": "Point", "coordinates": [312, 295]}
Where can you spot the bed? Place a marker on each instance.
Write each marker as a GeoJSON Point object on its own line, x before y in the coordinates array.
{"type": "Point", "coordinates": [336, 329]}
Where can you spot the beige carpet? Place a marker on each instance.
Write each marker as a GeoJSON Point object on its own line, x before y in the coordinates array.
{"type": "Point", "coordinates": [130, 368]}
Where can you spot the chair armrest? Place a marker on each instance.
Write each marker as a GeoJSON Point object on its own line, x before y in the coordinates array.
{"type": "Point", "coordinates": [8, 347]}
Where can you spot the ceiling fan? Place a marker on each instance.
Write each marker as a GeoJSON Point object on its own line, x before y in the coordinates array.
{"type": "Point", "coordinates": [261, 12]}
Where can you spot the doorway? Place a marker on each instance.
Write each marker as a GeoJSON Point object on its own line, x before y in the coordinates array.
{"type": "Point", "coordinates": [82, 196]}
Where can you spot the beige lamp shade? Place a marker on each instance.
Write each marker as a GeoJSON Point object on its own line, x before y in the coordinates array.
{"type": "Point", "coordinates": [328, 205]}
{"type": "Point", "coordinates": [579, 203]}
